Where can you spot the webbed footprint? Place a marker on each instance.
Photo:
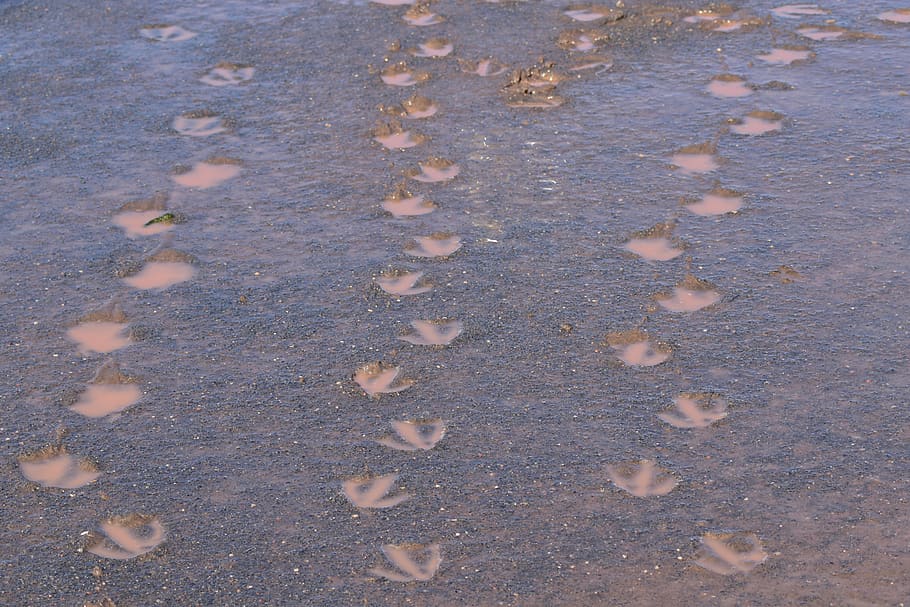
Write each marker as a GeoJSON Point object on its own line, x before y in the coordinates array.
{"type": "Point", "coordinates": [730, 553]}
{"type": "Point", "coordinates": [434, 170]}
{"type": "Point", "coordinates": [110, 391]}
{"type": "Point", "coordinates": [729, 86]}
{"type": "Point", "coordinates": [898, 15]}
{"type": "Point", "coordinates": [199, 124]}
{"type": "Point", "coordinates": [787, 55]}
{"type": "Point", "coordinates": [718, 201]}
{"type": "Point", "coordinates": [228, 74]}
{"type": "Point", "coordinates": [417, 434]}
{"type": "Point", "coordinates": [393, 137]}
{"type": "Point", "coordinates": [399, 74]}
{"type": "Point", "coordinates": [690, 295]}
{"type": "Point", "coordinates": [145, 217]}
{"type": "Point", "coordinates": [420, 15]}
{"type": "Point", "coordinates": [403, 283]}
{"type": "Point", "coordinates": [699, 158]}
{"type": "Point", "coordinates": [102, 331]}
{"type": "Point", "coordinates": [636, 349]}
{"type": "Point", "coordinates": [127, 537]}
{"type": "Point", "coordinates": [642, 479]}
{"type": "Point", "coordinates": [402, 203]}
{"type": "Point", "coordinates": [695, 410]}
{"type": "Point", "coordinates": [484, 67]}
{"type": "Point", "coordinates": [371, 492]}
{"type": "Point", "coordinates": [379, 378]}
{"type": "Point", "coordinates": [208, 174]}
{"type": "Point", "coordinates": [164, 269]}
{"type": "Point", "coordinates": [55, 467]}
{"type": "Point", "coordinates": [655, 243]}
{"type": "Point", "coordinates": [795, 11]}
{"type": "Point", "coordinates": [166, 33]}
{"type": "Point", "coordinates": [433, 332]}
{"type": "Point", "coordinates": [434, 47]}
{"type": "Point", "coordinates": [415, 562]}
{"type": "Point", "coordinates": [758, 122]}
{"type": "Point", "coordinates": [440, 244]}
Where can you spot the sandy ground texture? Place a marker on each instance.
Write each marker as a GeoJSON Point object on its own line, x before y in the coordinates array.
{"type": "Point", "coordinates": [466, 303]}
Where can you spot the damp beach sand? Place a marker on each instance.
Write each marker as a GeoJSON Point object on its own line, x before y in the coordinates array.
{"type": "Point", "coordinates": [346, 303]}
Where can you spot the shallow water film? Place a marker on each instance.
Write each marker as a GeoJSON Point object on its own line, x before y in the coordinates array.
{"type": "Point", "coordinates": [456, 302]}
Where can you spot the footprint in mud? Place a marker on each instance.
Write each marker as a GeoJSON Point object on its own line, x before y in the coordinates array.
{"type": "Point", "coordinates": [208, 174]}
{"type": "Point", "coordinates": [690, 295]}
{"type": "Point", "coordinates": [534, 87]}
{"type": "Point", "coordinates": [696, 159]}
{"type": "Point", "coordinates": [394, 2]}
{"type": "Point", "coordinates": [440, 244]}
{"type": "Point", "coordinates": [898, 15]}
{"type": "Point", "coordinates": [416, 434]}
{"type": "Point", "coordinates": [54, 467]}
{"type": "Point", "coordinates": [580, 41]}
{"type": "Point", "coordinates": [393, 137]}
{"type": "Point", "coordinates": [592, 62]}
{"type": "Point", "coordinates": [164, 269]}
{"type": "Point", "coordinates": [379, 378]}
{"type": "Point", "coordinates": [110, 391]}
{"type": "Point", "coordinates": [795, 11]}
{"type": "Point", "coordinates": [483, 68]}
{"type": "Point", "coordinates": [786, 274]}
{"type": "Point", "coordinates": [434, 47]}
{"type": "Point", "coordinates": [730, 553]}
{"type": "Point", "coordinates": [642, 479]}
{"type": "Point", "coordinates": [371, 492]}
{"type": "Point", "coordinates": [102, 331]}
{"type": "Point", "coordinates": [399, 74]}
{"type": "Point", "coordinates": [402, 203]}
{"type": "Point", "coordinates": [145, 217]}
{"type": "Point", "coordinates": [729, 86]}
{"type": "Point", "coordinates": [709, 15]}
{"type": "Point", "coordinates": [695, 410]}
{"type": "Point", "coordinates": [403, 283]}
{"type": "Point", "coordinates": [126, 537]}
{"type": "Point", "coordinates": [718, 201]}
{"type": "Point", "coordinates": [821, 33]}
{"type": "Point", "coordinates": [412, 108]}
{"type": "Point", "coordinates": [758, 122]}
{"type": "Point", "coordinates": [434, 170]}
{"type": "Point", "coordinates": [788, 55]}
{"type": "Point", "coordinates": [166, 33]}
{"type": "Point", "coordinates": [729, 25]}
{"type": "Point", "coordinates": [433, 332]}
{"type": "Point", "coordinates": [655, 243]}
{"type": "Point", "coordinates": [200, 123]}
{"type": "Point", "coordinates": [415, 562]}
{"type": "Point", "coordinates": [587, 13]}
{"type": "Point", "coordinates": [228, 74]}
{"type": "Point", "coordinates": [636, 349]}
{"type": "Point", "coordinates": [420, 15]}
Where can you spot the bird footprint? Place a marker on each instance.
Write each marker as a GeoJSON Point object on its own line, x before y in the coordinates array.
{"type": "Point", "coordinates": [403, 283]}
{"type": "Point", "coordinates": [127, 537]}
{"type": "Point", "coordinates": [370, 492]}
{"type": "Point", "coordinates": [377, 378]}
{"type": "Point", "coordinates": [54, 467]}
{"type": "Point", "coordinates": [695, 411]}
{"type": "Point", "coordinates": [227, 74]}
{"type": "Point", "coordinates": [729, 553]}
{"type": "Point", "coordinates": [416, 562]}
{"type": "Point", "coordinates": [440, 244]}
{"type": "Point", "coordinates": [433, 332]}
{"type": "Point", "coordinates": [642, 479]}
{"type": "Point", "coordinates": [634, 348]}
{"type": "Point", "coordinates": [416, 434]}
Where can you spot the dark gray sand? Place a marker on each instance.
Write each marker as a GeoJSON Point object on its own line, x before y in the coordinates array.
{"type": "Point", "coordinates": [223, 483]}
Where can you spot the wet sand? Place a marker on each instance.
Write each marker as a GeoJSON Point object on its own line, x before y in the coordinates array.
{"type": "Point", "coordinates": [518, 440]}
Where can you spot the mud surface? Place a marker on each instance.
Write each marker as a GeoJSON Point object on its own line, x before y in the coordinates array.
{"type": "Point", "coordinates": [762, 461]}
